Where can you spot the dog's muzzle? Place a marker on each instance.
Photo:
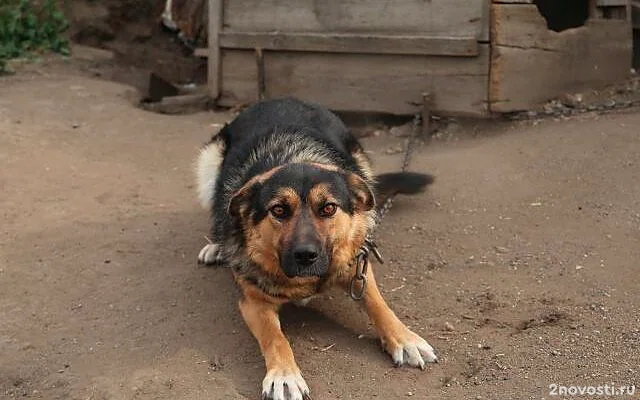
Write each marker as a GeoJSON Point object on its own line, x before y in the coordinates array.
{"type": "Point", "coordinates": [306, 259]}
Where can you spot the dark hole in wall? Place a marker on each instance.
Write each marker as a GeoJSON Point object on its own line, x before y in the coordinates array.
{"type": "Point", "coordinates": [563, 14]}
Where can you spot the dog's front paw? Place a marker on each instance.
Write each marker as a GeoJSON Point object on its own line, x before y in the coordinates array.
{"type": "Point", "coordinates": [210, 254]}
{"type": "Point", "coordinates": [284, 384]}
{"type": "Point", "coordinates": [406, 347]}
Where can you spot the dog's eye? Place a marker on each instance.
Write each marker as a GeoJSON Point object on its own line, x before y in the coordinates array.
{"type": "Point", "coordinates": [278, 211]}
{"type": "Point", "coordinates": [328, 210]}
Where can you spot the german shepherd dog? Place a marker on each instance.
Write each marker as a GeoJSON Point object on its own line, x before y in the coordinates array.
{"type": "Point", "coordinates": [292, 198]}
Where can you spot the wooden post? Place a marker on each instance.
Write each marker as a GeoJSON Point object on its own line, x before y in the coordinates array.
{"type": "Point", "coordinates": [262, 86]}
{"type": "Point", "coordinates": [214, 61]}
{"type": "Point", "coordinates": [594, 12]}
{"type": "Point", "coordinates": [427, 105]}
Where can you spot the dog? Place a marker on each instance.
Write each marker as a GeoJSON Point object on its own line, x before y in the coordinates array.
{"type": "Point", "coordinates": [292, 198]}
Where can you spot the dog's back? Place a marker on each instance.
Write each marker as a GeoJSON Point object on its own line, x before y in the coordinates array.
{"type": "Point", "coordinates": [262, 118]}
{"type": "Point", "coordinates": [276, 132]}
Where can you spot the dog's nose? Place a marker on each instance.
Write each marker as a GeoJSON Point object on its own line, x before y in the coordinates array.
{"type": "Point", "coordinates": [305, 255]}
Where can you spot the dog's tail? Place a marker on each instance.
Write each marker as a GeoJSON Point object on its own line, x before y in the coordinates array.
{"type": "Point", "coordinates": [207, 168]}
{"type": "Point", "coordinates": [394, 183]}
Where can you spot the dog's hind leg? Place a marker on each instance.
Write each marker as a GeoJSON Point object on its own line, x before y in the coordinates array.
{"type": "Point", "coordinates": [403, 345]}
{"type": "Point", "coordinates": [283, 374]}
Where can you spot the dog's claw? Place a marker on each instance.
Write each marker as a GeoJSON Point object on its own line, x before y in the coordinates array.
{"type": "Point", "coordinates": [280, 382]}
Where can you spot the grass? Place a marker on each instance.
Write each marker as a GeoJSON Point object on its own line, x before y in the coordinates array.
{"type": "Point", "coordinates": [29, 27]}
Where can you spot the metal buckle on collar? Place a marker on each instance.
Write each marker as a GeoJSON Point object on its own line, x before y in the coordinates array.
{"type": "Point", "coordinates": [362, 264]}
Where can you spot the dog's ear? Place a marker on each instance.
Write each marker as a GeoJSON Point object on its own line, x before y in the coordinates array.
{"type": "Point", "coordinates": [240, 202]}
{"type": "Point", "coordinates": [364, 198]}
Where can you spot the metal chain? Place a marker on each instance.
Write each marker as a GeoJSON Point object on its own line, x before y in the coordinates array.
{"type": "Point", "coordinates": [369, 246]}
{"type": "Point", "coordinates": [408, 152]}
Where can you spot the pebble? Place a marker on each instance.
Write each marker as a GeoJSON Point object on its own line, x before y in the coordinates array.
{"type": "Point", "coordinates": [449, 327]}
{"type": "Point", "coordinates": [393, 150]}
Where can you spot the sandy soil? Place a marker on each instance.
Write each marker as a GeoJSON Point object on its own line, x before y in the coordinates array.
{"type": "Point", "coordinates": [519, 264]}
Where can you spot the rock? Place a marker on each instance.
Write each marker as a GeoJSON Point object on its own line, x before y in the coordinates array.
{"type": "Point", "coordinates": [500, 249]}
{"type": "Point", "coordinates": [572, 100]}
{"type": "Point", "coordinates": [393, 150]}
{"type": "Point", "coordinates": [449, 327]}
{"type": "Point", "coordinates": [87, 53]}
{"type": "Point", "coordinates": [402, 130]}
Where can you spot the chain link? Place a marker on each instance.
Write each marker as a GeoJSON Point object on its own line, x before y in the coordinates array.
{"type": "Point", "coordinates": [408, 152]}
{"type": "Point", "coordinates": [362, 259]}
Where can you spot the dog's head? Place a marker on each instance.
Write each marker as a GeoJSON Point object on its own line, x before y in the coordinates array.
{"type": "Point", "coordinates": [303, 219]}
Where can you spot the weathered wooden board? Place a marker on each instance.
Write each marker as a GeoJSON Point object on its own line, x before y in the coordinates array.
{"type": "Point", "coordinates": [453, 18]}
{"type": "Point", "coordinates": [213, 66]}
{"type": "Point", "coordinates": [362, 82]}
{"type": "Point", "coordinates": [352, 43]}
{"type": "Point", "coordinates": [531, 64]}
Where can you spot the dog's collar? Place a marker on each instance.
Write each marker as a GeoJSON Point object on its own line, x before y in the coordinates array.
{"type": "Point", "coordinates": [362, 264]}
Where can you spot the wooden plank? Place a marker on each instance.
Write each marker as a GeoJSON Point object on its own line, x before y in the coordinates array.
{"type": "Point", "coordinates": [612, 3]}
{"type": "Point", "coordinates": [449, 18]}
{"type": "Point", "coordinates": [363, 82]}
{"type": "Point", "coordinates": [213, 64]}
{"type": "Point", "coordinates": [531, 64]}
{"type": "Point", "coordinates": [351, 43]}
{"type": "Point", "coordinates": [239, 77]}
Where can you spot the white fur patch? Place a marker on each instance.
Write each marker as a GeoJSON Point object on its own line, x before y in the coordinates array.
{"type": "Point", "coordinates": [409, 348]}
{"type": "Point", "coordinates": [210, 254]}
{"type": "Point", "coordinates": [284, 384]}
{"type": "Point", "coordinates": [207, 170]}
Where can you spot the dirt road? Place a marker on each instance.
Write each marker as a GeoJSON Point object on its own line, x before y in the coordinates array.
{"type": "Point", "coordinates": [520, 265]}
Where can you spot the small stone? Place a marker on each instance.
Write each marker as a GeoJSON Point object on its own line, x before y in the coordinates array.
{"type": "Point", "coordinates": [500, 249]}
{"type": "Point", "coordinates": [393, 150]}
{"type": "Point", "coordinates": [409, 394]}
{"type": "Point", "coordinates": [572, 100]}
{"type": "Point", "coordinates": [555, 353]}
{"type": "Point", "coordinates": [402, 130]}
{"type": "Point", "coordinates": [449, 327]}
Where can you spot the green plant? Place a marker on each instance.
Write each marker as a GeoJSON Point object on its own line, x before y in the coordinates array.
{"type": "Point", "coordinates": [28, 27]}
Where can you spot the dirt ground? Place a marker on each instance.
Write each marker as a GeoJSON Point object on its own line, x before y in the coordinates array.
{"type": "Point", "coordinates": [519, 264]}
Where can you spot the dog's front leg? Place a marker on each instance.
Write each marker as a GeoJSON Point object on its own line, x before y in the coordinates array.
{"type": "Point", "coordinates": [404, 346]}
{"type": "Point", "coordinates": [283, 374]}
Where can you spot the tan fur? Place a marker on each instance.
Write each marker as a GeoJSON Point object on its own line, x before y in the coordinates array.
{"type": "Point", "coordinates": [388, 326]}
{"type": "Point", "coordinates": [262, 319]}
{"type": "Point", "coordinates": [236, 200]}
